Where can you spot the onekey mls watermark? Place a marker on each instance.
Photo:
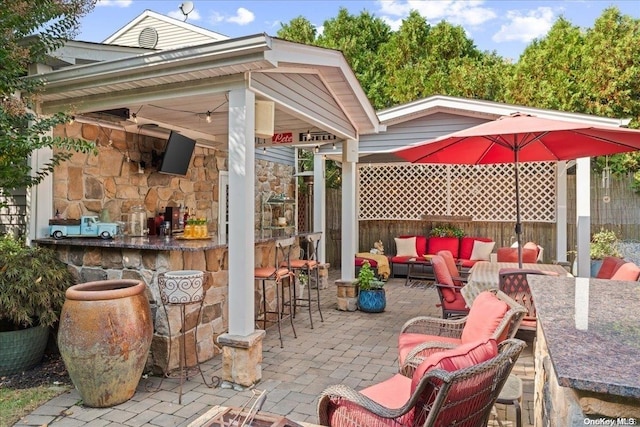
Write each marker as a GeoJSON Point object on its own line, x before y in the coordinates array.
{"type": "Point", "coordinates": [621, 421]}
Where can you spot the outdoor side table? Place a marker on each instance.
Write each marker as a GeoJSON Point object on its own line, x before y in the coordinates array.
{"type": "Point", "coordinates": [419, 273]}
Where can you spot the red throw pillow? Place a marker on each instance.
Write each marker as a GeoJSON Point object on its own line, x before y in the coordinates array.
{"type": "Point", "coordinates": [463, 356]}
{"type": "Point", "coordinates": [486, 313]}
{"type": "Point", "coordinates": [628, 271]}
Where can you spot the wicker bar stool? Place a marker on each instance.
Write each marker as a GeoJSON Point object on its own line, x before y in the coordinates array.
{"type": "Point", "coordinates": [307, 265]}
{"type": "Point", "coordinates": [283, 278]}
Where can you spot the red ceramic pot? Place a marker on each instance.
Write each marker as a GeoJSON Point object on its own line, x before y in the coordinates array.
{"type": "Point", "coordinates": [104, 339]}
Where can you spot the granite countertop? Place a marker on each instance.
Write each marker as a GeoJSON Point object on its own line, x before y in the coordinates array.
{"type": "Point", "coordinates": [592, 329]}
{"type": "Point", "coordinates": [156, 243]}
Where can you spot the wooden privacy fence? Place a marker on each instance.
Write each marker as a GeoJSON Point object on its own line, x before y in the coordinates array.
{"type": "Point", "coordinates": [621, 214]}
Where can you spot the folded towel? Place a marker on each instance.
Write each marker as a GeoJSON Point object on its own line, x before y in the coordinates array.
{"type": "Point", "coordinates": [382, 260]}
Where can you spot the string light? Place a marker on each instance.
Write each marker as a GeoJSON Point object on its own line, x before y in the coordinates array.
{"type": "Point", "coordinates": [333, 146]}
{"type": "Point", "coordinates": [208, 118]}
{"type": "Point", "coordinates": [317, 149]}
{"type": "Point", "coordinates": [308, 135]}
{"type": "Point", "coordinates": [134, 117]}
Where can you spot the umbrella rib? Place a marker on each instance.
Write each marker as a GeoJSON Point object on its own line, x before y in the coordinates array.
{"type": "Point", "coordinates": [611, 141]}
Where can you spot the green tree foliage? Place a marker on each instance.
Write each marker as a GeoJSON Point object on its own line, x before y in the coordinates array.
{"type": "Point", "coordinates": [299, 30]}
{"type": "Point", "coordinates": [30, 30]}
{"type": "Point", "coordinates": [548, 72]}
{"type": "Point", "coordinates": [359, 38]}
{"type": "Point", "coordinates": [596, 71]}
{"type": "Point", "coordinates": [592, 71]}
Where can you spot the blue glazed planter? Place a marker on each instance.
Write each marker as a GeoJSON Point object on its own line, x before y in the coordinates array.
{"type": "Point", "coordinates": [372, 301]}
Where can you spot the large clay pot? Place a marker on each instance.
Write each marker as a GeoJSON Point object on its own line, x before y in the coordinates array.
{"type": "Point", "coordinates": [104, 339]}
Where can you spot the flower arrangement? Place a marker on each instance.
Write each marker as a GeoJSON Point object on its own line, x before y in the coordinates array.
{"type": "Point", "coordinates": [604, 243]}
{"type": "Point", "coordinates": [446, 231]}
{"type": "Point", "coordinates": [367, 279]}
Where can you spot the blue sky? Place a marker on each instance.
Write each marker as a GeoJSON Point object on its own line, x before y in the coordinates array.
{"type": "Point", "coordinates": [504, 26]}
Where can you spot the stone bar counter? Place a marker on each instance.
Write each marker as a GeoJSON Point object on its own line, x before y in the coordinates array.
{"type": "Point", "coordinates": [587, 355]}
{"type": "Point", "coordinates": [144, 258]}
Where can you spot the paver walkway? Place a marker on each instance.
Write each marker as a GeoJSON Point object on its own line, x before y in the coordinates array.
{"type": "Point", "coordinates": [353, 348]}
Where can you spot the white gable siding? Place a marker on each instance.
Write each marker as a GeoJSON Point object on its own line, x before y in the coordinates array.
{"type": "Point", "coordinates": [170, 36]}
{"type": "Point", "coordinates": [415, 130]}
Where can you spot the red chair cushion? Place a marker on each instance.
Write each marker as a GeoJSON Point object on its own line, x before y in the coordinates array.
{"type": "Point", "coordinates": [443, 277]}
{"type": "Point", "coordinates": [359, 261]}
{"type": "Point", "coordinates": [463, 356]}
{"type": "Point", "coordinates": [400, 259]}
{"type": "Point", "coordinates": [467, 263]}
{"type": "Point", "coordinates": [408, 341]}
{"type": "Point", "coordinates": [458, 304]}
{"type": "Point", "coordinates": [609, 266]}
{"type": "Point", "coordinates": [628, 271]}
{"type": "Point", "coordinates": [437, 244]}
{"type": "Point", "coordinates": [466, 246]}
{"type": "Point", "coordinates": [485, 315]}
{"type": "Point", "coordinates": [511, 255]}
{"type": "Point", "coordinates": [392, 393]}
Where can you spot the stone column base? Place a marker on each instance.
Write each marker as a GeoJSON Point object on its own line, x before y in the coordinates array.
{"type": "Point", "coordinates": [241, 359]}
{"type": "Point", "coordinates": [347, 291]}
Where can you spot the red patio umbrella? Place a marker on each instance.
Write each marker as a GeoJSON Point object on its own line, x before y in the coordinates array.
{"type": "Point", "coordinates": [522, 138]}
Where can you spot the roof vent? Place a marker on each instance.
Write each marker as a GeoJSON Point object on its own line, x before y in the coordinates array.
{"type": "Point", "coordinates": [148, 38]}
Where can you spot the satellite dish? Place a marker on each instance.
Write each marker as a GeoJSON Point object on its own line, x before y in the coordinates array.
{"type": "Point", "coordinates": [186, 8]}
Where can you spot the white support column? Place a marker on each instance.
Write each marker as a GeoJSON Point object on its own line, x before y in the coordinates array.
{"type": "Point", "coordinates": [583, 214]}
{"type": "Point", "coordinates": [40, 197]}
{"type": "Point", "coordinates": [349, 208]}
{"type": "Point", "coordinates": [319, 204]}
{"type": "Point", "coordinates": [561, 211]}
{"type": "Point", "coordinates": [241, 211]}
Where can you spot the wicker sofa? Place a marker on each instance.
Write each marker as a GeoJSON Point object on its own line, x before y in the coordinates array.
{"type": "Point", "coordinates": [464, 250]}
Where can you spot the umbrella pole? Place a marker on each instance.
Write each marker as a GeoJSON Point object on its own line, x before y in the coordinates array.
{"type": "Point", "coordinates": [518, 228]}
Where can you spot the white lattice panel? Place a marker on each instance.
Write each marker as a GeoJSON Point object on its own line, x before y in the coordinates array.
{"type": "Point", "coordinates": [484, 193]}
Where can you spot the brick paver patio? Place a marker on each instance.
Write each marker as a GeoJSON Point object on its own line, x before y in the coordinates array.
{"type": "Point", "coordinates": [352, 348]}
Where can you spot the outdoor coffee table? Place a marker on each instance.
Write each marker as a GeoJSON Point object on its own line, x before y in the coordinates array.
{"type": "Point", "coordinates": [419, 273]}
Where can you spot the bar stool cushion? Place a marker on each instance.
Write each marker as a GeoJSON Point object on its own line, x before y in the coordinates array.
{"type": "Point", "coordinates": [302, 263]}
{"type": "Point", "coordinates": [267, 272]}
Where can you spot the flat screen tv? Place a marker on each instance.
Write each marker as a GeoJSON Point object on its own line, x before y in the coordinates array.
{"type": "Point", "coordinates": [177, 155]}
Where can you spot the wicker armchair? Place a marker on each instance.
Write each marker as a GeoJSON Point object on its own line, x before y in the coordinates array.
{"type": "Point", "coordinates": [436, 397]}
{"type": "Point", "coordinates": [422, 336]}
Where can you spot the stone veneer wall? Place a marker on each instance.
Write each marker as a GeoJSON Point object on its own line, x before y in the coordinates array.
{"type": "Point", "coordinates": [95, 263]}
{"type": "Point", "coordinates": [87, 184]}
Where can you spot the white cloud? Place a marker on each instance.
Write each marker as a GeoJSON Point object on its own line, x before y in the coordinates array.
{"type": "Point", "coordinates": [243, 17]}
{"type": "Point", "coordinates": [525, 27]}
{"type": "Point", "coordinates": [192, 16]}
{"type": "Point", "coordinates": [460, 12]}
{"type": "Point", "coordinates": [117, 3]}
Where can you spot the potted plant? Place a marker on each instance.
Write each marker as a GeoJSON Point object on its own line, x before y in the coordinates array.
{"type": "Point", "coordinates": [446, 231]}
{"type": "Point", "coordinates": [33, 282]}
{"type": "Point", "coordinates": [371, 295]}
{"type": "Point", "coordinates": [604, 243]}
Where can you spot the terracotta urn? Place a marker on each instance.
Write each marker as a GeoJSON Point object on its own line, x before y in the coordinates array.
{"type": "Point", "coordinates": [104, 339]}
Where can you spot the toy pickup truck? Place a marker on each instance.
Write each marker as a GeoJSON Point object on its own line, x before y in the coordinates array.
{"type": "Point", "coordinates": [86, 226]}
